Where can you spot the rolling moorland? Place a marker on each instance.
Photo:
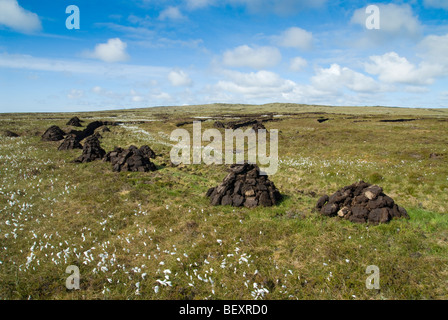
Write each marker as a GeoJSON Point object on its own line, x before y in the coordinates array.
{"type": "Point", "coordinates": [154, 235]}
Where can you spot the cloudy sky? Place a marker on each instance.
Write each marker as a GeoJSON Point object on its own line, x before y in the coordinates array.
{"type": "Point", "coordinates": [143, 53]}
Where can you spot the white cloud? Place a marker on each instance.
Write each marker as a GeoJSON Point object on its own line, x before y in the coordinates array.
{"type": "Point", "coordinates": [265, 87]}
{"type": "Point", "coordinates": [281, 7]}
{"type": "Point", "coordinates": [75, 94]}
{"type": "Point", "coordinates": [94, 68]}
{"type": "Point", "coordinates": [254, 85]}
{"type": "Point", "coordinates": [336, 78]}
{"type": "Point", "coordinates": [297, 64]}
{"type": "Point", "coordinates": [198, 4]}
{"type": "Point", "coordinates": [392, 68]}
{"type": "Point", "coordinates": [17, 18]}
{"type": "Point", "coordinates": [435, 49]}
{"type": "Point", "coordinates": [145, 37]}
{"type": "Point", "coordinates": [441, 4]}
{"type": "Point", "coordinates": [172, 13]}
{"type": "Point", "coordinates": [109, 94]}
{"type": "Point", "coordinates": [395, 20]}
{"type": "Point", "coordinates": [295, 38]}
{"type": "Point", "coordinates": [443, 95]}
{"type": "Point", "coordinates": [179, 79]}
{"type": "Point", "coordinates": [416, 89]}
{"type": "Point", "coordinates": [97, 90]}
{"type": "Point", "coordinates": [133, 32]}
{"type": "Point", "coordinates": [163, 96]}
{"type": "Point", "coordinates": [145, 21]}
{"type": "Point", "coordinates": [137, 98]}
{"type": "Point", "coordinates": [257, 58]}
{"type": "Point", "coordinates": [165, 42]}
{"type": "Point", "coordinates": [112, 51]}
{"type": "Point", "coordinates": [260, 78]}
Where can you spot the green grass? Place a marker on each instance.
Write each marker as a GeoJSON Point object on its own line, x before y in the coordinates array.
{"type": "Point", "coordinates": [158, 231]}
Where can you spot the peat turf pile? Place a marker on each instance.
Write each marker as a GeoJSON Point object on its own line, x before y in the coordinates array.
{"type": "Point", "coordinates": [91, 151]}
{"type": "Point", "coordinates": [88, 131]}
{"type": "Point", "coordinates": [54, 133]}
{"type": "Point", "coordinates": [219, 125]}
{"type": "Point", "coordinates": [147, 152]}
{"type": "Point", "coordinates": [74, 122]}
{"type": "Point", "coordinates": [132, 159]}
{"type": "Point", "coordinates": [70, 142]}
{"type": "Point", "coordinates": [258, 126]}
{"type": "Point", "coordinates": [10, 134]}
{"type": "Point", "coordinates": [361, 202]}
{"type": "Point", "coordinates": [244, 186]}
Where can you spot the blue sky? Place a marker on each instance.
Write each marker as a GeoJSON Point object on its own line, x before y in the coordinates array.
{"type": "Point", "coordinates": [144, 53]}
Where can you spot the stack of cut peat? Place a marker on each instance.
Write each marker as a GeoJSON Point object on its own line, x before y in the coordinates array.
{"type": "Point", "coordinates": [132, 159]}
{"type": "Point", "coordinates": [219, 125]}
{"type": "Point", "coordinates": [88, 131]}
{"type": "Point", "coordinates": [74, 137]}
{"type": "Point", "coordinates": [10, 134]}
{"type": "Point", "coordinates": [74, 122]}
{"type": "Point", "coordinates": [54, 133]}
{"type": "Point", "coordinates": [91, 151]}
{"type": "Point", "coordinates": [361, 202]}
{"type": "Point", "coordinates": [147, 152]}
{"type": "Point", "coordinates": [258, 126]}
{"type": "Point", "coordinates": [70, 142]}
{"type": "Point", "coordinates": [244, 186]}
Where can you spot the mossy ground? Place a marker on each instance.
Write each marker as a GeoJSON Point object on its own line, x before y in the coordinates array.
{"type": "Point", "coordinates": [154, 235]}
